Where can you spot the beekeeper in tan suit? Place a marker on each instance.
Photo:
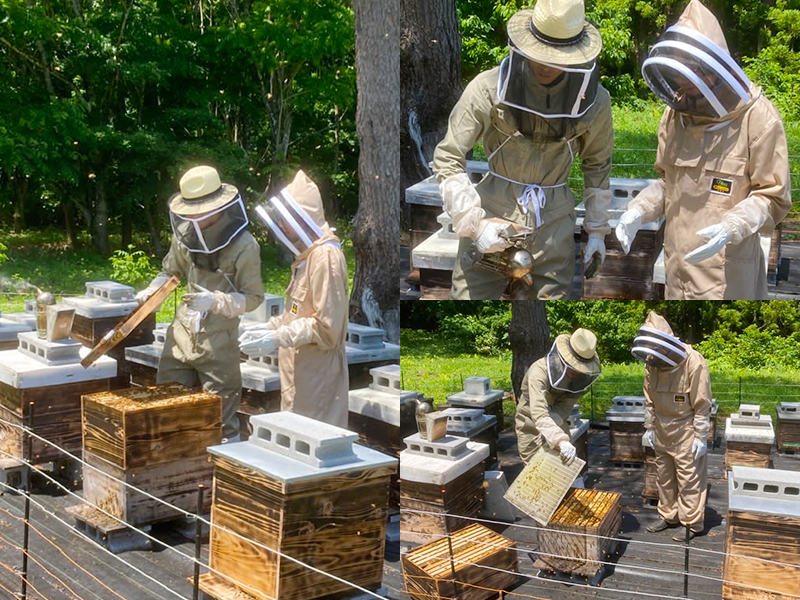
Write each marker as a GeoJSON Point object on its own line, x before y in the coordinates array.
{"type": "Point", "coordinates": [678, 404]}
{"type": "Point", "coordinates": [724, 166]}
{"type": "Point", "coordinates": [311, 333]}
{"type": "Point", "coordinates": [536, 112]}
{"type": "Point", "coordinates": [550, 389]}
{"type": "Point", "coordinates": [221, 262]}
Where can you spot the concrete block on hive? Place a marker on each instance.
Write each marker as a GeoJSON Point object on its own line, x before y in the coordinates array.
{"type": "Point", "coordinates": [748, 438]}
{"type": "Point", "coordinates": [103, 299]}
{"type": "Point", "coordinates": [160, 335]}
{"type": "Point", "coordinates": [749, 412]}
{"type": "Point", "coordinates": [60, 352]}
{"type": "Point", "coordinates": [788, 426]}
{"type": "Point", "coordinates": [482, 562]}
{"type": "Point", "coordinates": [446, 221]}
{"type": "Point", "coordinates": [386, 379]}
{"type": "Point", "coordinates": [375, 404]}
{"type": "Point", "coordinates": [321, 515]}
{"type": "Point", "coordinates": [474, 424]}
{"type": "Point", "coordinates": [478, 393]}
{"type": "Point", "coordinates": [267, 361]}
{"type": "Point", "coordinates": [272, 306]}
{"type": "Point", "coordinates": [110, 291]}
{"type": "Point", "coordinates": [762, 529]}
{"type": "Point", "coordinates": [363, 337]}
{"type": "Point", "coordinates": [303, 439]}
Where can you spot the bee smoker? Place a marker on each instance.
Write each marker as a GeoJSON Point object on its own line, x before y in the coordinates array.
{"type": "Point", "coordinates": [515, 263]}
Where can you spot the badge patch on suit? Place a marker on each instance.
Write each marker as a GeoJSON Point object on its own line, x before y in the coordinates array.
{"type": "Point", "coordinates": [295, 308]}
{"type": "Point", "coordinates": [681, 398]}
{"type": "Point", "coordinates": [721, 186]}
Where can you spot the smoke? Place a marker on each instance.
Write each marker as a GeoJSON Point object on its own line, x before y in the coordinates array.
{"type": "Point", "coordinates": [10, 286]}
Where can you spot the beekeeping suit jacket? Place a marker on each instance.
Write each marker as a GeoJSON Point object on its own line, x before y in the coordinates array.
{"type": "Point", "coordinates": [749, 156]}
{"type": "Point", "coordinates": [527, 148]}
{"type": "Point", "coordinates": [678, 405]}
{"type": "Point", "coordinates": [542, 412]}
{"type": "Point", "coordinates": [206, 350]}
{"type": "Point", "coordinates": [312, 330]}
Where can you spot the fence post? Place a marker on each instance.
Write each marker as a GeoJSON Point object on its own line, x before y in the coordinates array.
{"type": "Point", "coordinates": [198, 532]}
{"type": "Point", "coordinates": [740, 391]}
{"type": "Point", "coordinates": [591, 395]}
{"type": "Point", "coordinates": [686, 567]}
{"type": "Point", "coordinates": [26, 527]}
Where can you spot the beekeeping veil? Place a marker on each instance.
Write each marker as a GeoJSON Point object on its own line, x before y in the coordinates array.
{"type": "Point", "coordinates": [691, 70]}
{"type": "Point", "coordinates": [555, 34]}
{"type": "Point", "coordinates": [572, 363]}
{"type": "Point", "coordinates": [206, 215]}
{"type": "Point", "coordinates": [295, 215]}
{"type": "Point", "coordinates": [656, 345]}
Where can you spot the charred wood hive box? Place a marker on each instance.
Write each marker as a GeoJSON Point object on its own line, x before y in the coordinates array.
{"type": "Point", "coordinates": [303, 488]}
{"type": "Point", "coordinates": [749, 438]}
{"type": "Point", "coordinates": [788, 430]}
{"type": "Point", "coordinates": [475, 564]}
{"type": "Point", "coordinates": [626, 428]}
{"type": "Point", "coordinates": [594, 514]}
{"type": "Point", "coordinates": [154, 438]}
{"type": "Point", "coordinates": [762, 539]}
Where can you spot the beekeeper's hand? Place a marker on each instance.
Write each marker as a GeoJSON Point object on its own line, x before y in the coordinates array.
{"type": "Point", "coordinates": [258, 341]}
{"type": "Point", "coordinates": [567, 451]}
{"type": "Point", "coordinates": [699, 447]}
{"type": "Point", "coordinates": [595, 244]}
{"type": "Point", "coordinates": [629, 223]}
{"type": "Point", "coordinates": [489, 239]}
{"type": "Point", "coordinates": [718, 235]}
{"type": "Point", "coordinates": [157, 282]}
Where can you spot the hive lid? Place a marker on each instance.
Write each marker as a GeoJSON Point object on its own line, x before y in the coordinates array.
{"type": "Point", "coordinates": [769, 491]}
{"type": "Point", "coordinates": [363, 337]}
{"type": "Point", "coordinates": [374, 404]}
{"type": "Point", "coordinates": [22, 371]}
{"type": "Point", "coordinates": [539, 488]}
{"type": "Point", "coordinates": [291, 448]}
{"type": "Point", "coordinates": [10, 329]}
{"type": "Point", "coordinates": [758, 431]}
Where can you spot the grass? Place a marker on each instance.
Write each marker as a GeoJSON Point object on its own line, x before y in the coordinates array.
{"type": "Point", "coordinates": [437, 366]}
{"type": "Point", "coordinates": [43, 259]}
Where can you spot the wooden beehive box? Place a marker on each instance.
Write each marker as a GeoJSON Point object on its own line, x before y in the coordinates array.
{"type": "Point", "coordinates": [626, 428]}
{"type": "Point", "coordinates": [480, 563]}
{"type": "Point", "coordinates": [788, 427]}
{"type": "Point", "coordinates": [303, 488]}
{"type": "Point", "coordinates": [475, 425]}
{"type": "Point", "coordinates": [589, 512]}
{"type": "Point", "coordinates": [9, 330]}
{"type": "Point", "coordinates": [478, 393]}
{"type": "Point", "coordinates": [650, 490]}
{"type": "Point", "coordinates": [55, 390]}
{"type": "Point", "coordinates": [439, 480]}
{"type": "Point", "coordinates": [154, 438]}
{"type": "Point", "coordinates": [749, 438]}
{"type": "Point", "coordinates": [142, 361]}
{"type": "Point", "coordinates": [763, 530]}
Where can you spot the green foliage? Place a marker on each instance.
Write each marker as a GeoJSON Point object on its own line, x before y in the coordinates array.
{"type": "Point", "coordinates": [132, 267]}
{"type": "Point", "coordinates": [3, 255]}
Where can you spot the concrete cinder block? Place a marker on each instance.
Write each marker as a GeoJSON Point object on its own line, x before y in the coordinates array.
{"type": "Point", "coordinates": [269, 362]}
{"type": "Point", "coordinates": [770, 491]}
{"type": "Point", "coordinates": [160, 335]}
{"type": "Point", "coordinates": [363, 337]}
{"type": "Point", "coordinates": [749, 412]}
{"type": "Point", "coordinates": [477, 393]}
{"type": "Point", "coordinates": [789, 411]}
{"type": "Point", "coordinates": [272, 306]}
{"type": "Point", "coordinates": [447, 448]}
{"type": "Point", "coordinates": [303, 439]}
{"type": "Point", "coordinates": [439, 462]}
{"type": "Point", "coordinates": [462, 420]}
{"type": "Point", "coordinates": [61, 352]}
{"type": "Point", "coordinates": [628, 409]}
{"type": "Point", "coordinates": [375, 404]}
{"type": "Point", "coordinates": [477, 386]}
{"type": "Point", "coordinates": [110, 291]}
{"type": "Point", "coordinates": [446, 221]}
{"type": "Point", "coordinates": [495, 506]}
{"type": "Point", "coordinates": [386, 379]}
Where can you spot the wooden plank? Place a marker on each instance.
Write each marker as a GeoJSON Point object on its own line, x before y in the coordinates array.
{"type": "Point", "coordinates": [129, 325]}
{"type": "Point", "coordinates": [761, 536]}
{"type": "Point", "coordinates": [175, 482]}
{"type": "Point", "coordinates": [219, 589]}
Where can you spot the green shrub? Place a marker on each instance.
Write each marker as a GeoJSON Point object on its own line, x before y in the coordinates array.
{"type": "Point", "coordinates": [132, 267]}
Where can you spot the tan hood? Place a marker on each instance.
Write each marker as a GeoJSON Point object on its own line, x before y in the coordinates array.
{"type": "Point", "coordinates": [698, 17]}
{"type": "Point", "coordinates": [306, 193]}
{"type": "Point", "coordinates": [658, 322]}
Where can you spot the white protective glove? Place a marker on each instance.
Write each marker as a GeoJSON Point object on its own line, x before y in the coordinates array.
{"type": "Point", "coordinates": [258, 341]}
{"type": "Point", "coordinates": [199, 301]}
{"type": "Point", "coordinates": [595, 243]}
{"type": "Point", "coordinates": [699, 447]}
{"type": "Point", "coordinates": [718, 235]}
{"type": "Point", "coordinates": [649, 439]}
{"type": "Point", "coordinates": [489, 240]}
{"type": "Point", "coordinates": [462, 202]}
{"type": "Point", "coordinates": [567, 451]}
{"type": "Point", "coordinates": [157, 282]}
{"type": "Point", "coordinates": [629, 223]}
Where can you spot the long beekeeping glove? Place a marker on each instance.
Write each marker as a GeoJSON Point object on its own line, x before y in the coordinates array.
{"type": "Point", "coordinates": [463, 204]}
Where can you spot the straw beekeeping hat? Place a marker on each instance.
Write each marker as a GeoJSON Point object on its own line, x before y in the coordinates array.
{"type": "Point", "coordinates": [201, 192]}
{"type": "Point", "coordinates": [579, 350]}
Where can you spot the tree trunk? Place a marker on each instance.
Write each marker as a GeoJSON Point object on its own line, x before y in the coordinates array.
{"type": "Point", "coordinates": [376, 228]}
{"type": "Point", "coordinates": [430, 81]}
{"type": "Point", "coordinates": [127, 225]}
{"type": "Point", "coordinates": [19, 185]}
{"type": "Point", "coordinates": [158, 248]}
{"type": "Point", "coordinates": [529, 336]}
{"type": "Point", "coordinates": [69, 222]}
{"type": "Point", "coordinates": [100, 225]}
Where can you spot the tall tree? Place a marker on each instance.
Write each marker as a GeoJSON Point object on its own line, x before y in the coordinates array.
{"type": "Point", "coordinates": [430, 81]}
{"type": "Point", "coordinates": [376, 228]}
{"type": "Point", "coordinates": [529, 337]}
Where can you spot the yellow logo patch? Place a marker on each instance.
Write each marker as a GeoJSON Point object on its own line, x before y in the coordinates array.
{"type": "Point", "coordinates": [721, 186]}
{"type": "Point", "coordinates": [680, 398]}
{"type": "Point", "coordinates": [295, 308]}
